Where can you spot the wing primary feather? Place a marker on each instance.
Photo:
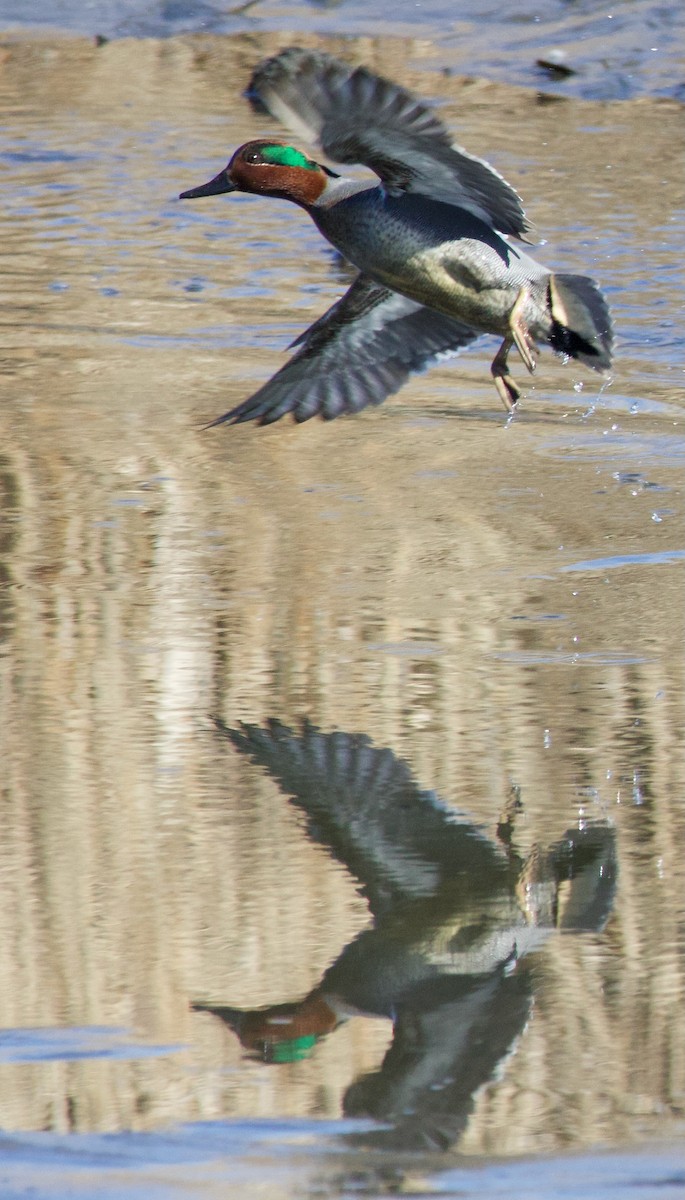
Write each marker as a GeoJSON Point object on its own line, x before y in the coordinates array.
{"type": "Point", "coordinates": [356, 116]}
{"type": "Point", "coordinates": [362, 350]}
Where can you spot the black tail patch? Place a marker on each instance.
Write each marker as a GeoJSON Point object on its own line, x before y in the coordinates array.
{"type": "Point", "coordinates": [581, 324]}
{"type": "Point", "coordinates": [566, 341]}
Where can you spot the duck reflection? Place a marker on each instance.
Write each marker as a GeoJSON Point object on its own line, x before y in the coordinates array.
{"type": "Point", "coordinates": [455, 913]}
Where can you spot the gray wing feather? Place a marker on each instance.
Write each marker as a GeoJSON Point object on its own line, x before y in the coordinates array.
{"type": "Point", "coordinates": [363, 804]}
{"type": "Point", "coordinates": [359, 117]}
{"type": "Point", "coordinates": [359, 352]}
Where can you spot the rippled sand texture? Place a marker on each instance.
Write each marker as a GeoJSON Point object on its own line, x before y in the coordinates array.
{"type": "Point", "coordinates": [500, 605]}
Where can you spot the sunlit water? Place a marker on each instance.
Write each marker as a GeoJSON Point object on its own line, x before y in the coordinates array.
{"type": "Point", "coordinates": [590, 49]}
{"type": "Point", "coordinates": [489, 612]}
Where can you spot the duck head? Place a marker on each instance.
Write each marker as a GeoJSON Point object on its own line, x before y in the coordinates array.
{"type": "Point", "coordinates": [268, 169]}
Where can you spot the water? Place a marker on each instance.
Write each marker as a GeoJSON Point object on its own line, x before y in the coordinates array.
{"type": "Point", "coordinates": [589, 49]}
{"type": "Point", "coordinates": [484, 610]}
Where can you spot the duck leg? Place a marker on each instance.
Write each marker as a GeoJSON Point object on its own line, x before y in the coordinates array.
{"type": "Point", "coordinates": [507, 389]}
{"type": "Point", "coordinates": [520, 337]}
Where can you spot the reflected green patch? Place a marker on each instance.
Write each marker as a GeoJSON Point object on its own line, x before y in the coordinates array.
{"type": "Point", "coordinates": [293, 1050]}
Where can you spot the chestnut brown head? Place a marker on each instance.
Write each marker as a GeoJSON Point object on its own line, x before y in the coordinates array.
{"type": "Point", "coordinates": [267, 168]}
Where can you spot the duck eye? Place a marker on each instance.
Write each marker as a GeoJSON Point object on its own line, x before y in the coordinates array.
{"type": "Point", "coordinates": [254, 157]}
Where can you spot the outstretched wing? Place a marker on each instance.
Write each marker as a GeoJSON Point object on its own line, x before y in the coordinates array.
{"type": "Point", "coordinates": [362, 803]}
{"type": "Point", "coordinates": [359, 117]}
{"type": "Point", "coordinates": [360, 351]}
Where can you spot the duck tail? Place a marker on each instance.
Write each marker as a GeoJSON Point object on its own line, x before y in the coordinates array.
{"type": "Point", "coordinates": [581, 324]}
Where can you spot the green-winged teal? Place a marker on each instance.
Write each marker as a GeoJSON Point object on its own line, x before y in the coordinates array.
{"type": "Point", "coordinates": [430, 237]}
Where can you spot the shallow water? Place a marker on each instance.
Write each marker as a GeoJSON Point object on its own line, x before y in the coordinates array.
{"type": "Point", "coordinates": [589, 49]}
{"type": "Point", "coordinates": [497, 605]}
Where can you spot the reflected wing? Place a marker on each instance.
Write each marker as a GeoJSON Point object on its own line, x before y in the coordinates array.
{"type": "Point", "coordinates": [360, 351]}
{"type": "Point", "coordinates": [446, 1045]}
{"type": "Point", "coordinates": [358, 117]}
{"type": "Point", "coordinates": [362, 803]}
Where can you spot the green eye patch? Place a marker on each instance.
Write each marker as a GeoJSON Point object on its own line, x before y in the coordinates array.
{"type": "Point", "coordinates": [287, 156]}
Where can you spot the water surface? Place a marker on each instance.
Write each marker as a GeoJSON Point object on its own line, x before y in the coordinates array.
{"type": "Point", "coordinates": [493, 608]}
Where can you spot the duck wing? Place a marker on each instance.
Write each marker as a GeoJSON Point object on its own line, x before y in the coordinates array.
{"type": "Point", "coordinates": [359, 117]}
{"type": "Point", "coordinates": [362, 803]}
{"type": "Point", "coordinates": [359, 352]}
